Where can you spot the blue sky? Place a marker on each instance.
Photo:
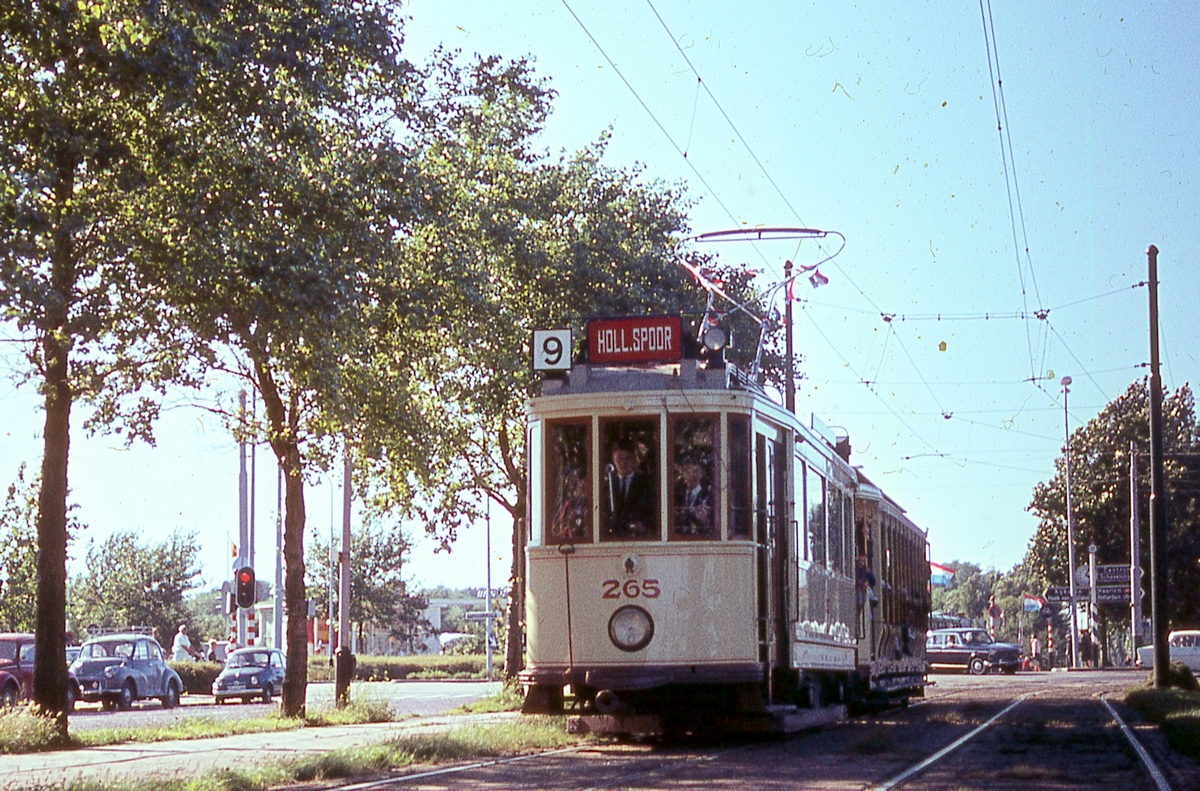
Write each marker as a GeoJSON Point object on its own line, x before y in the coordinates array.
{"type": "Point", "coordinates": [879, 121]}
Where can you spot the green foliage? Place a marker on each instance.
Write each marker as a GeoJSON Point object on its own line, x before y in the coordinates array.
{"type": "Point", "coordinates": [397, 668]}
{"type": "Point", "coordinates": [23, 730]}
{"type": "Point", "coordinates": [1100, 460]}
{"type": "Point", "coordinates": [197, 677]}
{"type": "Point", "coordinates": [18, 556]}
{"type": "Point", "coordinates": [128, 583]}
{"type": "Point", "coordinates": [378, 593]}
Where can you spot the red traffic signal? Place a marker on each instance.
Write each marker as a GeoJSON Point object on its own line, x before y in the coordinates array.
{"type": "Point", "coordinates": [245, 587]}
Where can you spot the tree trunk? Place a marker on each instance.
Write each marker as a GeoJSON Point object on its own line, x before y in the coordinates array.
{"type": "Point", "coordinates": [515, 645]}
{"type": "Point", "coordinates": [295, 683]}
{"type": "Point", "coordinates": [50, 669]}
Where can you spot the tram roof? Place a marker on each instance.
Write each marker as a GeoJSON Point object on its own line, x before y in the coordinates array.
{"type": "Point", "coordinates": [683, 375]}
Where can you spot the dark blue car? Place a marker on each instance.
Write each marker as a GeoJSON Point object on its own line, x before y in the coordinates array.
{"type": "Point", "coordinates": [250, 673]}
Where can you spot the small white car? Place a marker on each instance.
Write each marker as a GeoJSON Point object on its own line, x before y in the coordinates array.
{"type": "Point", "coordinates": [1185, 647]}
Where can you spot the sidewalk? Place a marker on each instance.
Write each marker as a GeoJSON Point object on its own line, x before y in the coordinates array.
{"type": "Point", "coordinates": [199, 756]}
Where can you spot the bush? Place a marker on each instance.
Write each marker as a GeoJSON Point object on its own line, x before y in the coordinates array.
{"type": "Point", "coordinates": [396, 668]}
{"type": "Point", "coordinates": [23, 730]}
{"type": "Point", "coordinates": [1177, 712]}
{"type": "Point", "coordinates": [197, 677]}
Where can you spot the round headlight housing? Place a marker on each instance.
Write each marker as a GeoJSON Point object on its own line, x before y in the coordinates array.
{"type": "Point", "coordinates": [630, 628]}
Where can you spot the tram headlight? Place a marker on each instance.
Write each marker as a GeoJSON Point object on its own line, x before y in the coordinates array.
{"type": "Point", "coordinates": [630, 628]}
{"type": "Point", "coordinates": [715, 338]}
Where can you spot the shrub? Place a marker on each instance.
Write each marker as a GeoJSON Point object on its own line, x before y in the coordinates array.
{"type": "Point", "coordinates": [23, 730]}
{"type": "Point", "coordinates": [396, 668]}
{"type": "Point", "coordinates": [197, 677]}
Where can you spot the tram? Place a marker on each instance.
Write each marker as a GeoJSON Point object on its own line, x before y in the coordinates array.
{"type": "Point", "coordinates": [699, 556]}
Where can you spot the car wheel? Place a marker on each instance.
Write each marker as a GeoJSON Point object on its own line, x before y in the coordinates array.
{"type": "Point", "coordinates": [171, 699]}
{"type": "Point", "coordinates": [247, 699]}
{"type": "Point", "coordinates": [976, 667]}
{"type": "Point", "coordinates": [267, 693]}
{"type": "Point", "coordinates": [109, 703]}
{"type": "Point", "coordinates": [1012, 671]}
{"type": "Point", "coordinates": [125, 701]}
{"type": "Point", "coordinates": [8, 698]}
{"type": "Point", "coordinates": [72, 696]}
{"type": "Point", "coordinates": [219, 701]}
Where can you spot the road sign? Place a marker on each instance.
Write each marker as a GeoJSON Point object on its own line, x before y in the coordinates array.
{"type": "Point", "coordinates": [1113, 574]}
{"type": "Point", "coordinates": [1105, 594]}
{"type": "Point", "coordinates": [482, 616]}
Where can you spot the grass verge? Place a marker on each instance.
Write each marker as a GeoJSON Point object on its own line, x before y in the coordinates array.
{"type": "Point", "coordinates": [1176, 711]}
{"type": "Point", "coordinates": [530, 734]}
{"type": "Point", "coordinates": [22, 731]}
{"type": "Point", "coordinates": [509, 698]}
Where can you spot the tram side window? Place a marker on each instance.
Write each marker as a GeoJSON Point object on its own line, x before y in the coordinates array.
{"type": "Point", "coordinates": [804, 548]}
{"type": "Point", "coordinates": [568, 483]}
{"type": "Point", "coordinates": [740, 521]}
{"type": "Point", "coordinates": [629, 489]}
{"type": "Point", "coordinates": [694, 449]}
{"type": "Point", "coordinates": [837, 561]}
{"type": "Point", "coordinates": [815, 521]}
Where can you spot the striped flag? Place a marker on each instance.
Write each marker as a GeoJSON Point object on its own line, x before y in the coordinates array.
{"type": "Point", "coordinates": [940, 575]}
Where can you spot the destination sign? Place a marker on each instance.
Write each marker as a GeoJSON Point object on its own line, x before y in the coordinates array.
{"type": "Point", "coordinates": [635, 339]}
{"type": "Point", "coordinates": [1105, 594]}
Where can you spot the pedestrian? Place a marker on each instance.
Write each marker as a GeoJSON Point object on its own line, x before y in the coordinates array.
{"type": "Point", "coordinates": [1086, 648]}
{"type": "Point", "coordinates": [211, 656]}
{"type": "Point", "coordinates": [181, 649]}
{"type": "Point", "coordinates": [231, 646]}
{"type": "Point", "coordinates": [1035, 652]}
{"type": "Point", "coordinates": [995, 615]}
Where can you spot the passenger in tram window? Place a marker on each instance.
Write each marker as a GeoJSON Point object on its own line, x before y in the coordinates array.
{"type": "Point", "coordinates": [628, 495]}
{"type": "Point", "coordinates": [693, 498]}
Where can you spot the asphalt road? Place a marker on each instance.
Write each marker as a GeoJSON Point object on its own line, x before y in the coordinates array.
{"type": "Point", "coordinates": [405, 697]}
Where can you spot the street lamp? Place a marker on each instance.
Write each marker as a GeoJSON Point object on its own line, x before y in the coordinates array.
{"type": "Point", "coordinates": [1066, 381]}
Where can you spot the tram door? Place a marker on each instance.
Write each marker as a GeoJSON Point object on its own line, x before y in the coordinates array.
{"type": "Point", "coordinates": [770, 462]}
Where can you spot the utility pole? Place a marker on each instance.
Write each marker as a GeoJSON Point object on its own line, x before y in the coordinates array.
{"type": "Point", "coordinates": [1158, 503]}
{"type": "Point", "coordinates": [243, 511]}
{"type": "Point", "coordinates": [344, 656]}
{"type": "Point", "coordinates": [278, 619]}
{"type": "Point", "coordinates": [790, 386]}
{"type": "Point", "coordinates": [1066, 381]}
{"type": "Point", "coordinates": [1135, 562]}
{"type": "Point", "coordinates": [488, 621]}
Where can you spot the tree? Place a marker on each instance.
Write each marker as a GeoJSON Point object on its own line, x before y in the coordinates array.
{"type": "Point", "coordinates": [288, 186]}
{"type": "Point", "coordinates": [128, 583]}
{"type": "Point", "coordinates": [518, 241]}
{"type": "Point", "coordinates": [1100, 461]}
{"type": "Point", "coordinates": [18, 556]}
{"type": "Point", "coordinates": [379, 595]}
{"type": "Point", "coordinates": [85, 84]}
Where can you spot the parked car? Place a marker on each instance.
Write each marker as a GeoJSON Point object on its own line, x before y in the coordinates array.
{"type": "Point", "coordinates": [16, 667]}
{"type": "Point", "coordinates": [972, 650]}
{"type": "Point", "coordinates": [1184, 645]}
{"type": "Point", "coordinates": [121, 668]}
{"type": "Point", "coordinates": [251, 673]}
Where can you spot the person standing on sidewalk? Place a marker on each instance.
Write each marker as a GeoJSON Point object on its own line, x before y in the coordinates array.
{"type": "Point", "coordinates": [1035, 652]}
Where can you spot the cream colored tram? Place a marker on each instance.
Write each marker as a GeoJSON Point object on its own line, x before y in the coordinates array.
{"type": "Point", "coordinates": [729, 589]}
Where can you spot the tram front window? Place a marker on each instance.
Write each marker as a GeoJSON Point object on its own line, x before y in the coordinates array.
{"type": "Point", "coordinates": [629, 489]}
{"type": "Point", "coordinates": [568, 483]}
{"type": "Point", "coordinates": [694, 511]}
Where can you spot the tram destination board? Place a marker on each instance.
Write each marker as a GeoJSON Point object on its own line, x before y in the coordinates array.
{"type": "Point", "coordinates": [632, 340]}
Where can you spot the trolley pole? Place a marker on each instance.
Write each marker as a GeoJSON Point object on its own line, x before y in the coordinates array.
{"type": "Point", "coordinates": [1158, 503]}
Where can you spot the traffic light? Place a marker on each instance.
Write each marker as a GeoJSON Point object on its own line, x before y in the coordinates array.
{"type": "Point", "coordinates": [245, 587]}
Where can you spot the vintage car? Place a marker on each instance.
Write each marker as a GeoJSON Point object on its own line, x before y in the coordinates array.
{"type": "Point", "coordinates": [16, 667]}
{"type": "Point", "coordinates": [970, 649]}
{"type": "Point", "coordinates": [251, 673]}
{"type": "Point", "coordinates": [121, 668]}
{"type": "Point", "coordinates": [1184, 646]}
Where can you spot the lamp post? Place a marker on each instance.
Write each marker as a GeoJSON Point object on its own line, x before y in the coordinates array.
{"type": "Point", "coordinates": [1066, 381]}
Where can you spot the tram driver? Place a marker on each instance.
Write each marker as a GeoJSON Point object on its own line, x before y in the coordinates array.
{"type": "Point", "coordinates": [628, 495]}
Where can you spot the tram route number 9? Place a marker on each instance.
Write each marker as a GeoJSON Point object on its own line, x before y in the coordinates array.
{"type": "Point", "coordinates": [631, 589]}
{"type": "Point", "coordinates": [551, 350]}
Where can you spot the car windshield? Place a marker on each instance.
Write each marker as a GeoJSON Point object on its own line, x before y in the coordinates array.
{"type": "Point", "coordinates": [976, 637]}
{"type": "Point", "coordinates": [249, 659]}
{"type": "Point", "coordinates": [122, 650]}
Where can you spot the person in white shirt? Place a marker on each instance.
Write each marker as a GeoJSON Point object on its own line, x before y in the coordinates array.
{"type": "Point", "coordinates": [181, 649]}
